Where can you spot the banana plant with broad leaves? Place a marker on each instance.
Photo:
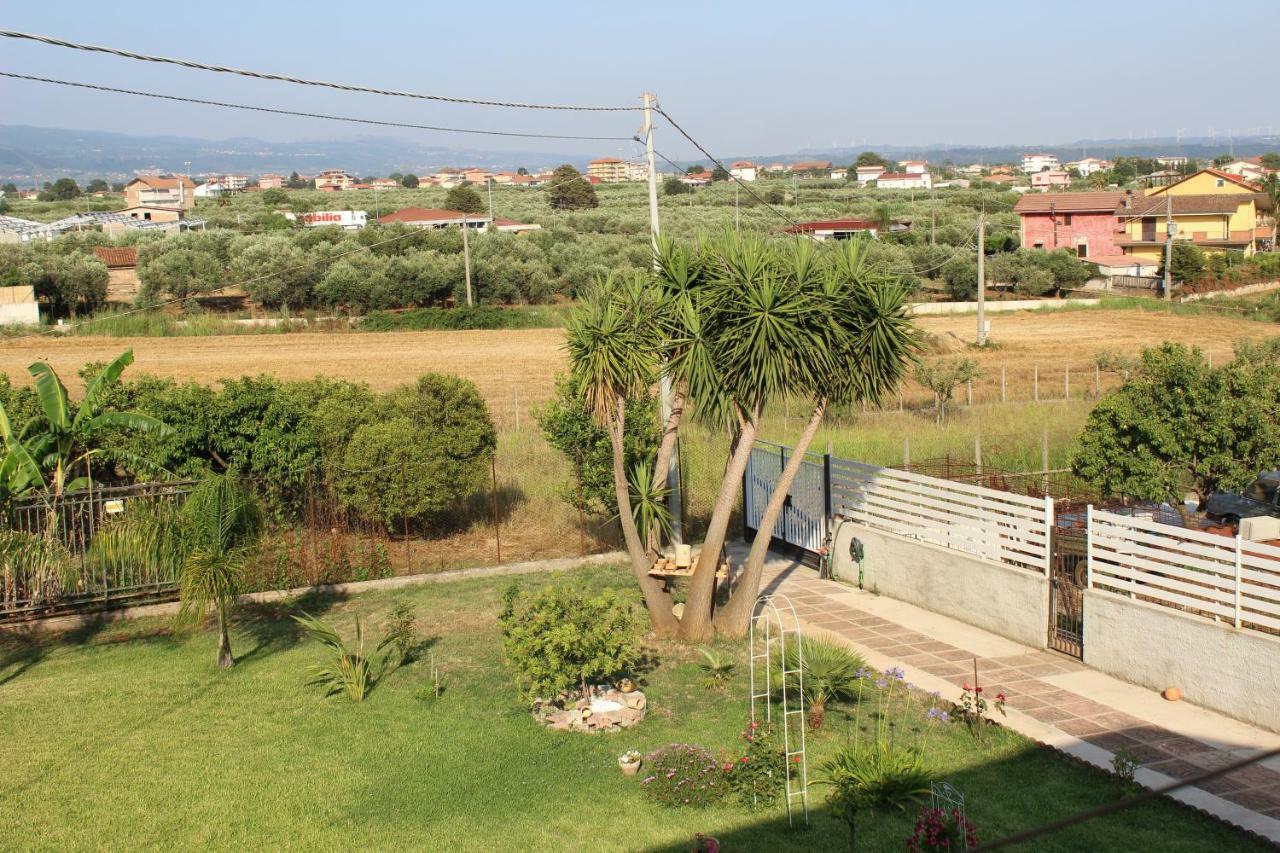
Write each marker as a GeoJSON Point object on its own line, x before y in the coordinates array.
{"type": "Point", "coordinates": [54, 452]}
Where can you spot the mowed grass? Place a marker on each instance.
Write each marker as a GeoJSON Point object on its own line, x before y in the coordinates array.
{"type": "Point", "coordinates": [126, 737]}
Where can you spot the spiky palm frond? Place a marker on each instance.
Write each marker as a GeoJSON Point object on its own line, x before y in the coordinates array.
{"type": "Point", "coordinates": [717, 668]}
{"type": "Point", "coordinates": [349, 671]}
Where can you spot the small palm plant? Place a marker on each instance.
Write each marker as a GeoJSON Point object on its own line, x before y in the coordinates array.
{"type": "Point", "coordinates": [877, 776]}
{"type": "Point", "coordinates": [351, 671]}
{"type": "Point", "coordinates": [223, 522]}
{"type": "Point", "coordinates": [830, 675]}
{"type": "Point", "coordinates": [717, 668]}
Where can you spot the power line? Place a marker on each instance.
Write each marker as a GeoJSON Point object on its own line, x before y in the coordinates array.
{"type": "Point", "coordinates": [262, 75]}
{"type": "Point", "coordinates": [696, 144]}
{"type": "Point", "coordinates": [276, 111]}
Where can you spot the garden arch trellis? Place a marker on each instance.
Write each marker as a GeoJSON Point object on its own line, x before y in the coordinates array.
{"type": "Point", "coordinates": [774, 623]}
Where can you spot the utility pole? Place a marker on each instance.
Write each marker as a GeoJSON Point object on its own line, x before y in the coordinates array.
{"type": "Point", "coordinates": [1170, 228]}
{"type": "Point", "coordinates": [673, 470]}
{"type": "Point", "coordinates": [982, 281]}
{"type": "Point", "coordinates": [490, 182]}
{"type": "Point", "coordinates": [933, 217]}
{"type": "Point", "coordinates": [737, 221]}
{"type": "Point", "coordinates": [466, 259]}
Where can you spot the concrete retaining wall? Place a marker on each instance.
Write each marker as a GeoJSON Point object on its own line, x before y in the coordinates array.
{"type": "Point", "coordinates": [1234, 672]}
{"type": "Point", "coordinates": [1011, 602]}
{"type": "Point", "coordinates": [1260, 287]}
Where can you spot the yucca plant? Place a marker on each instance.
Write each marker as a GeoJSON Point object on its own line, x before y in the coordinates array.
{"type": "Point", "coordinates": [717, 668]}
{"type": "Point", "coordinates": [649, 505]}
{"type": "Point", "coordinates": [223, 522]}
{"type": "Point", "coordinates": [351, 671]}
{"type": "Point", "coordinates": [830, 675]}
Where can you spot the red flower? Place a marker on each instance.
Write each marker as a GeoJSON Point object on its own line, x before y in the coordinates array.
{"type": "Point", "coordinates": [977, 690]}
{"type": "Point", "coordinates": [967, 687]}
{"type": "Point", "coordinates": [796, 759]}
{"type": "Point", "coordinates": [743, 759]}
{"type": "Point", "coordinates": [999, 697]}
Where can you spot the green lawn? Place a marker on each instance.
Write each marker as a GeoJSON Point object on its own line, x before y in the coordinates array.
{"type": "Point", "coordinates": [125, 737]}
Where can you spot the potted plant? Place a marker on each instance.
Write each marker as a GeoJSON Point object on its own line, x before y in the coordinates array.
{"type": "Point", "coordinates": [629, 762]}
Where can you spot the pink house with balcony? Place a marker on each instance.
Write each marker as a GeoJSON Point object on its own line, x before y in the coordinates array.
{"type": "Point", "coordinates": [1085, 223]}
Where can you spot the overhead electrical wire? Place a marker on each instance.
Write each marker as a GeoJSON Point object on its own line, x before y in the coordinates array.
{"type": "Point", "coordinates": [302, 81]}
{"type": "Point", "coordinates": [277, 111]}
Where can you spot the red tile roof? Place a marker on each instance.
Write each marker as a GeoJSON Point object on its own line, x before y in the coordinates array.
{"type": "Point", "coordinates": [117, 257]}
{"type": "Point", "coordinates": [1235, 179]}
{"type": "Point", "coordinates": [603, 160]}
{"type": "Point", "coordinates": [805, 165]}
{"type": "Point", "coordinates": [1103, 202]}
{"type": "Point", "coordinates": [832, 225]}
{"type": "Point", "coordinates": [164, 183]}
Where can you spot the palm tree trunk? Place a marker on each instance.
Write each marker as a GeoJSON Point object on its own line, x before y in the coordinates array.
{"type": "Point", "coordinates": [735, 617]}
{"type": "Point", "coordinates": [695, 624]}
{"type": "Point", "coordinates": [225, 660]}
{"type": "Point", "coordinates": [657, 601]}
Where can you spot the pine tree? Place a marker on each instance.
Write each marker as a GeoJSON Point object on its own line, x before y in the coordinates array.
{"type": "Point", "coordinates": [568, 190]}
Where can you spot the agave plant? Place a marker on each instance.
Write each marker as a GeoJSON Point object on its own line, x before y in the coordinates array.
{"type": "Point", "coordinates": [830, 675]}
{"type": "Point", "coordinates": [717, 668]}
{"type": "Point", "coordinates": [350, 672]}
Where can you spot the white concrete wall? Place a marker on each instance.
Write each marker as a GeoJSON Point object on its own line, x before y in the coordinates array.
{"type": "Point", "coordinates": [1008, 601]}
{"type": "Point", "coordinates": [917, 309]}
{"type": "Point", "coordinates": [20, 314]}
{"type": "Point", "coordinates": [1214, 665]}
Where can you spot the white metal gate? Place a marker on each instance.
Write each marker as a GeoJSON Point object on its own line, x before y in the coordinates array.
{"type": "Point", "coordinates": [803, 522]}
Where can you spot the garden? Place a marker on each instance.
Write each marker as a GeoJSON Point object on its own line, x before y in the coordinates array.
{"type": "Point", "coordinates": [124, 734]}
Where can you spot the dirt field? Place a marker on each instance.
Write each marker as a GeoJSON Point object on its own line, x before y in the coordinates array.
{"type": "Point", "coordinates": [519, 367]}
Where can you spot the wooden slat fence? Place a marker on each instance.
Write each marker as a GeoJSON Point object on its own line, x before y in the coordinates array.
{"type": "Point", "coordinates": [1001, 526]}
{"type": "Point", "coordinates": [1220, 578]}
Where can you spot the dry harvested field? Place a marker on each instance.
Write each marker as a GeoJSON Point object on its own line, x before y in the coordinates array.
{"type": "Point", "coordinates": [521, 364]}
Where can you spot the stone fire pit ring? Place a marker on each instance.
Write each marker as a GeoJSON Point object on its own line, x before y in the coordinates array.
{"type": "Point", "coordinates": [609, 710]}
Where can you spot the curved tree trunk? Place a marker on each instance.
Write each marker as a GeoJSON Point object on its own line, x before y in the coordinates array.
{"type": "Point", "coordinates": [657, 601]}
{"type": "Point", "coordinates": [695, 624]}
{"type": "Point", "coordinates": [735, 617]}
{"type": "Point", "coordinates": [666, 448]}
{"type": "Point", "coordinates": [225, 660]}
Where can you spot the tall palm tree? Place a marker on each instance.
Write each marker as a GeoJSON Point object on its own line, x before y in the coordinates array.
{"type": "Point", "coordinates": [614, 347]}
{"type": "Point", "coordinates": [223, 522]}
{"type": "Point", "coordinates": [860, 343]}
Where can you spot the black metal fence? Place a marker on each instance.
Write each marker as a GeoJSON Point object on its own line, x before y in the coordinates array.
{"type": "Point", "coordinates": [74, 521]}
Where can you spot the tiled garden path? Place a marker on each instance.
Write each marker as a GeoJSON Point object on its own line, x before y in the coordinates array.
{"type": "Point", "coordinates": [923, 642]}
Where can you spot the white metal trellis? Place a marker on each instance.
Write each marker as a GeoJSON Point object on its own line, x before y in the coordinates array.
{"type": "Point", "coordinates": [768, 618]}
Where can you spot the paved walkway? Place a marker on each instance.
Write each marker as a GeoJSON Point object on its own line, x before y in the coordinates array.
{"type": "Point", "coordinates": [1051, 697]}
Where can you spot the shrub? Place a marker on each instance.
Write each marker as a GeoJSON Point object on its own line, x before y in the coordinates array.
{"type": "Point", "coordinates": [935, 829]}
{"type": "Point", "coordinates": [682, 775]}
{"type": "Point", "coordinates": [830, 675]}
{"type": "Point", "coordinates": [570, 428]}
{"type": "Point", "coordinates": [871, 777]}
{"type": "Point", "coordinates": [759, 775]}
{"type": "Point", "coordinates": [424, 449]}
{"type": "Point", "coordinates": [717, 668]}
{"type": "Point", "coordinates": [402, 633]}
{"type": "Point", "coordinates": [560, 637]}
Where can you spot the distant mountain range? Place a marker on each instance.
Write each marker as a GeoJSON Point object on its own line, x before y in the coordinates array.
{"type": "Point", "coordinates": [30, 154]}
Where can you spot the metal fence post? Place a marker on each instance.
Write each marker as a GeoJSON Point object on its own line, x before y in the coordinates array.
{"type": "Point", "coordinates": [1238, 567]}
{"type": "Point", "coordinates": [826, 486]}
{"type": "Point", "coordinates": [1088, 547]}
{"type": "Point", "coordinates": [1048, 536]}
{"type": "Point", "coordinates": [1035, 382]}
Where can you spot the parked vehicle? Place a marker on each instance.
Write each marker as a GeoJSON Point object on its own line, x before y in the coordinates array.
{"type": "Point", "coordinates": [1261, 497]}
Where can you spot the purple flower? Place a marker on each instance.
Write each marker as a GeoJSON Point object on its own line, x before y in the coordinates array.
{"type": "Point", "coordinates": [881, 683]}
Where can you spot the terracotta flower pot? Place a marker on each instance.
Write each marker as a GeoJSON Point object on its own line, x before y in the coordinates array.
{"type": "Point", "coordinates": [630, 768]}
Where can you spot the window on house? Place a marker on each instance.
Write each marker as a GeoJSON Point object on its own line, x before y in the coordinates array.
{"type": "Point", "coordinates": [1039, 244]}
{"type": "Point", "coordinates": [1066, 219]}
{"type": "Point", "coordinates": [1221, 182]}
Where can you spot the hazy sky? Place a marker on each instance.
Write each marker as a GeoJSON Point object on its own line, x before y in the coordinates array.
{"type": "Point", "coordinates": [745, 78]}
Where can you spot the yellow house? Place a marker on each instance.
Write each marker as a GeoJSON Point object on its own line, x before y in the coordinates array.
{"type": "Point", "coordinates": [1215, 210]}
